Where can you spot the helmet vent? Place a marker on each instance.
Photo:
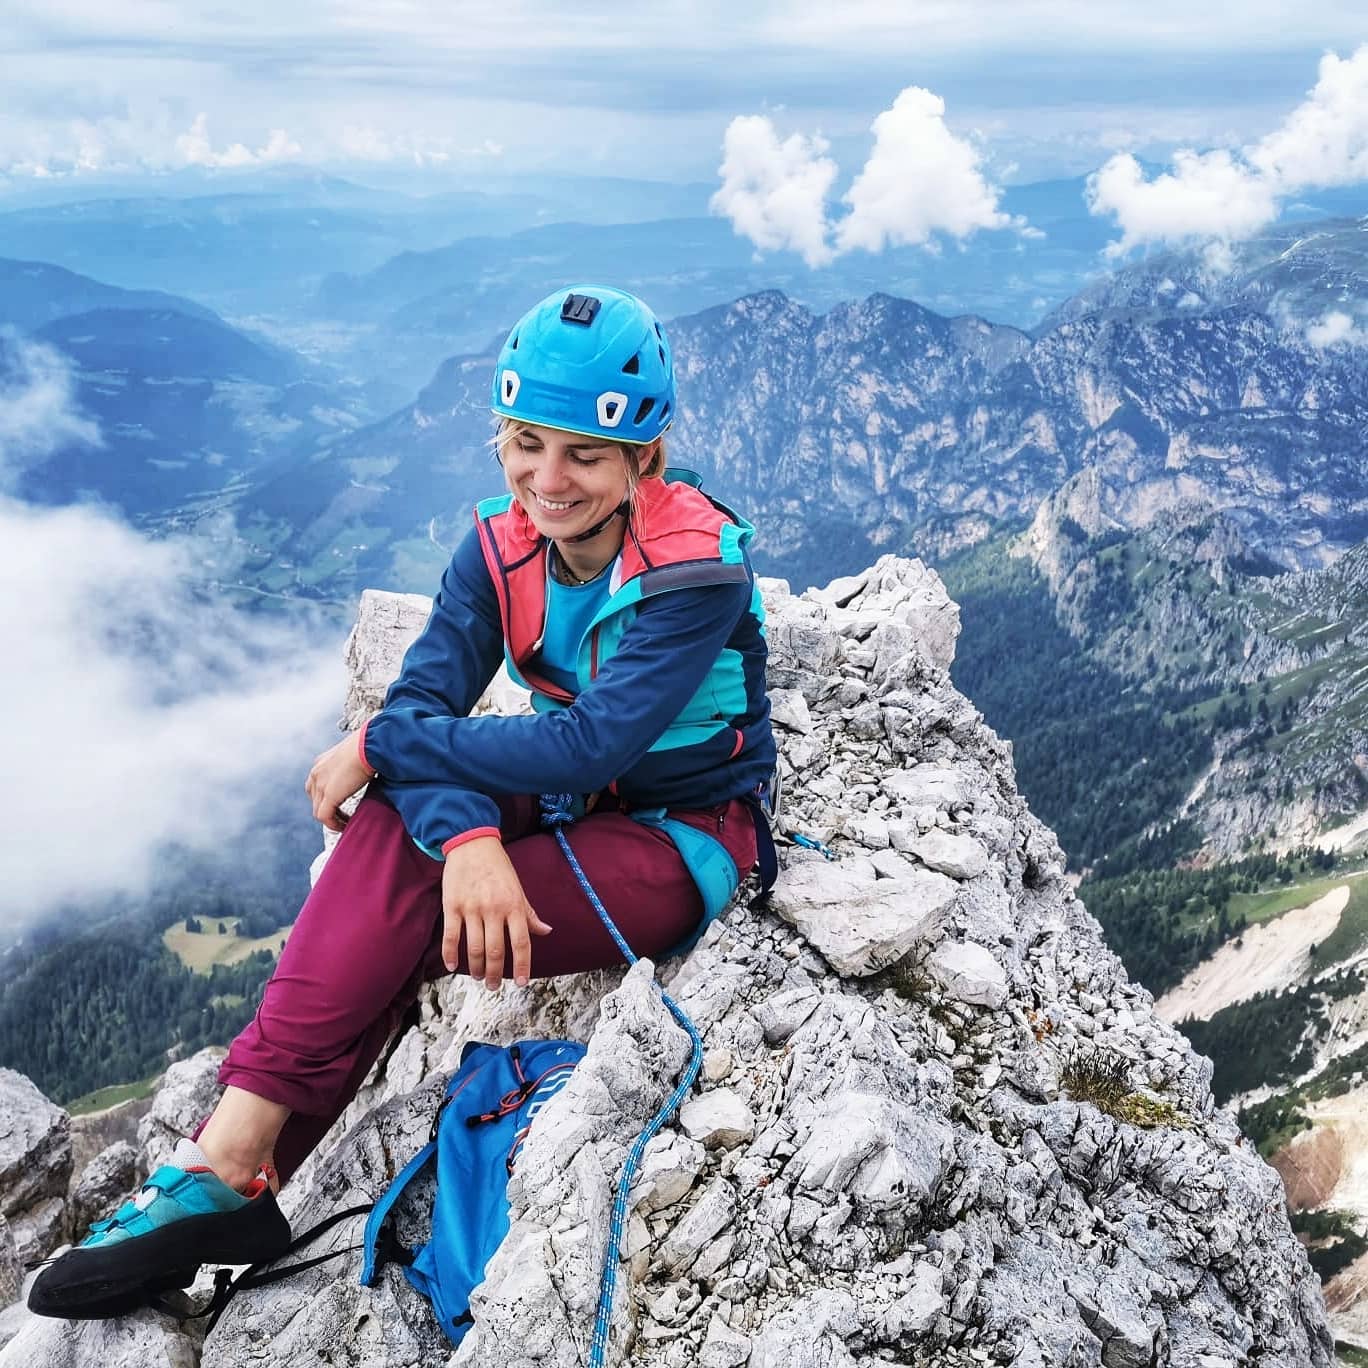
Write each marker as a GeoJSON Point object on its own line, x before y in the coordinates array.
{"type": "Point", "coordinates": [513, 345]}
{"type": "Point", "coordinates": [661, 350]}
{"type": "Point", "coordinates": [664, 411]}
{"type": "Point", "coordinates": [611, 407]}
{"type": "Point", "coordinates": [632, 366]}
{"type": "Point", "coordinates": [508, 386]}
{"type": "Point", "coordinates": [643, 411]}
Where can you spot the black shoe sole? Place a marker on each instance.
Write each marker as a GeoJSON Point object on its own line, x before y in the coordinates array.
{"type": "Point", "coordinates": [104, 1281]}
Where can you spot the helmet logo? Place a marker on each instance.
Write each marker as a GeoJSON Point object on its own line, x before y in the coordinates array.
{"type": "Point", "coordinates": [611, 407]}
{"type": "Point", "coordinates": [579, 309]}
{"type": "Point", "coordinates": [508, 386]}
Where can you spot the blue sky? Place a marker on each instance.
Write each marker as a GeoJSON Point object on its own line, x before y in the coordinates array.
{"type": "Point", "coordinates": [449, 88]}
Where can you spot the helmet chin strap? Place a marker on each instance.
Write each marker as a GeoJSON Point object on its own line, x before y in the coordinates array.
{"type": "Point", "coordinates": [621, 511]}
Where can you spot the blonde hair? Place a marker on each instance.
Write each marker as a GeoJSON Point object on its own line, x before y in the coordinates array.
{"type": "Point", "coordinates": [508, 429]}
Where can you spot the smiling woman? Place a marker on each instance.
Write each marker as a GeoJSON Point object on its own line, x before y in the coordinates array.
{"type": "Point", "coordinates": [622, 597]}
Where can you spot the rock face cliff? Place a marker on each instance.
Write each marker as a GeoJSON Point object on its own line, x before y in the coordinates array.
{"type": "Point", "coordinates": [1184, 603]}
{"type": "Point", "coordinates": [936, 1125]}
{"type": "Point", "coordinates": [880, 425]}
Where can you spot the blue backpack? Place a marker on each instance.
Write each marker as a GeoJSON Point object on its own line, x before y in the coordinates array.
{"type": "Point", "coordinates": [477, 1135]}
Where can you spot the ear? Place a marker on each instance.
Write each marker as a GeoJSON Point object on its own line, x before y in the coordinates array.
{"type": "Point", "coordinates": [645, 455]}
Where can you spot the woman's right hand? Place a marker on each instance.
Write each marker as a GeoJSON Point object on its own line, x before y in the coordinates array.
{"type": "Point", "coordinates": [483, 899]}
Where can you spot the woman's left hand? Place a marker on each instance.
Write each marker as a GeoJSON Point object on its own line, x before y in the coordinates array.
{"type": "Point", "coordinates": [335, 776]}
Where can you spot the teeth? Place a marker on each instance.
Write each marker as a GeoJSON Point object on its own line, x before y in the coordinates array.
{"type": "Point", "coordinates": [554, 507]}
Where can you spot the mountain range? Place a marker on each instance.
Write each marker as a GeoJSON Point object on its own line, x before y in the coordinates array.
{"type": "Point", "coordinates": [883, 425]}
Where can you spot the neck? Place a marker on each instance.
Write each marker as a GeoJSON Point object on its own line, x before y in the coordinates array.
{"type": "Point", "coordinates": [586, 559]}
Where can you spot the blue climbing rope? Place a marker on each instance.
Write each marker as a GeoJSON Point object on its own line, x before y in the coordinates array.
{"type": "Point", "coordinates": [555, 813]}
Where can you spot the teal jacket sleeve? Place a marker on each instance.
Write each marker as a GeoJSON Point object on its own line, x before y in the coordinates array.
{"type": "Point", "coordinates": [662, 660]}
{"type": "Point", "coordinates": [443, 675]}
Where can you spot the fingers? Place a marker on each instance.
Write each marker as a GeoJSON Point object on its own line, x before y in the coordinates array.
{"type": "Point", "coordinates": [475, 946]}
{"type": "Point", "coordinates": [493, 950]}
{"type": "Point", "coordinates": [535, 923]}
{"type": "Point", "coordinates": [452, 927]}
{"type": "Point", "coordinates": [521, 944]}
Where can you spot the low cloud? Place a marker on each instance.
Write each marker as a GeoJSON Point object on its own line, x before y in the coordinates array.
{"type": "Point", "coordinates": [143, 711]}
{"type": "Point", "coordinates": [196, 149]}
{"type": "Point", "coordinates": [38, 411]}
{"type": "Point", "coordinates": [366, 143]}
{"type": "Point", "coordinates": [1336, 327]}
{"type": "Point", "coordinates": [920, 180]}
{"type": "Point", "coordinates": [1229, 195]}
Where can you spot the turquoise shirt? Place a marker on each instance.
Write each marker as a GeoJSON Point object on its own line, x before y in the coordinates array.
{"type": "Point", "coordinates": [570, 608]}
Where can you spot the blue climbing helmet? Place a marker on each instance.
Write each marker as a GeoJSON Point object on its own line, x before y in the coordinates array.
{"type": "Point", "coordinates": [588, 359]}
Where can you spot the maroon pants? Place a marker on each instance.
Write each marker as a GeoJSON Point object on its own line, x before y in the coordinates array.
{"type": "Point", "coordinates": [370, 934]}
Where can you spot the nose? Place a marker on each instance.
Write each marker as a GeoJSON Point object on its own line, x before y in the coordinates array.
{"type": "Point", "coordinates": [553, 472]}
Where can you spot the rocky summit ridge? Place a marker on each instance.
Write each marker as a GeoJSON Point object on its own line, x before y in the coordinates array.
{"type": "Point", "coordinates": [937, 1124]}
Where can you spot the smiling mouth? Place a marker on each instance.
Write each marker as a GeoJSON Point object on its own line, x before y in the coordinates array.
{"type": "Point", "coordinates": [552, 507]}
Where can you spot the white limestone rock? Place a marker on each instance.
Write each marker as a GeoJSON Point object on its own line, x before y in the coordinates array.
{"type": "Point", "coordinates": [561, 1195]}
{"type": "Point", "coordinates": [811, 1333]}
{"type": "Point", "coordinates": [186, 1095]}
{"type": "Point", "coordinates": [145, 1339]}
{"type": "Point", "coordinates": [878, 1151]}
{"type": "Point", "coordinates": [35, 1165]}
{"type": "Point", "coordinates": [926, 785]}
{"type": "Point", "coordinates": [859, 924]}
{"type": "Point", "coordinates": [39, 1228]}
{"type": "Point", "coordinates": [107, 1179]}
{"type": "Point", "coordinates": [969, 973]}
{"type": "Point", "coordinates": [789, 710]}
{"type": "Point", "coordinates": [722, 1346]}
{"type": "Point", "coordinates": [961, 857]}
{"type": "Point", "coordinates": [914, 1311]}
{"type": "Point", "coordinates": [714, 1210]}
{"type": "Point", "coordinates": [386, 626]}
{"type": "Point", "coordinates": [11, 1267]}
{"type": "Point", "coordinates": [94, 1132]}
{"type": "Point", "coordinates": [669, 1168]}
{"type": "Point", "coordinates": [717, 1120]}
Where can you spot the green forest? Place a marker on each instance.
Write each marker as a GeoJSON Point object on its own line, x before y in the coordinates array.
{"type": "Point", "coordinates": [1097, 757]}
{"type": "Point", "coordinates": [92, 996]}
{"type": "Point", "coordinates": [1163, 922]}
{"type": "Point", "coordinates": [111, 1006]}
{"type": "Point", "coordinates": [1268, 1038]}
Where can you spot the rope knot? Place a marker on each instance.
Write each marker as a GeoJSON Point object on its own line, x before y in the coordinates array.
{"type": "Point", "coordinates": [555, 809]}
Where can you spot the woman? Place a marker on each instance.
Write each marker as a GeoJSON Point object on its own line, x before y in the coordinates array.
{"type": "Point", "coordinates": [623, 598]}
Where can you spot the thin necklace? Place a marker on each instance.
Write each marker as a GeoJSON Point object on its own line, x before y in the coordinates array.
{"type": "Point", "coordinates": [567, 576]}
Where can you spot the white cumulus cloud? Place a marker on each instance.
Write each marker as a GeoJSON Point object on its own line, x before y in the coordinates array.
{"type": "Point", "coordinates": [920, 179]}
{"type": "Point", "coordinates": [774, 192]}
{"type": "Point", "coordinates": [142, 710]}
{"type": "Point", "coordinates": [196, 149]}
{"type": "Point", "coordinates": [1206, 195]}
{"type": "Point", "coordinates": [1228, 194]}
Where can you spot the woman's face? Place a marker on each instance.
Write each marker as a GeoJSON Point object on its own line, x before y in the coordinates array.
{"type": "Point", "coordinates": [565, 482]}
